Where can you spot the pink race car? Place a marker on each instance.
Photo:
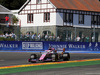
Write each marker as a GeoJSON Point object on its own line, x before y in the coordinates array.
{"type": "Point", "coordinates": [50, 55]}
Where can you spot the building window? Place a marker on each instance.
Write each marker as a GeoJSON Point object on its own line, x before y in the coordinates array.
{"type": "Point", "coordinates": [81, 19]}
{"type": "Point", "coordinates": [98, 20]}
{"type": "Point", "coordinates": [94, 38]}
{"type": "Point", "coordinates": [30, 18]}
{"type": "Point", "coordinates": [38, 1]}
{"type": "Point", "coordinates": [95, 20]}
{"type": "Point", "coordinates": [80, 34]}
{"type": "Point", "coordinates": [46, 17]}
{"type": "Point", "coordinates": [68, 17]}
{"type": "Point", "coordinates": [68, 35]}
{"type": "Point", "coordinates": [47, 32]}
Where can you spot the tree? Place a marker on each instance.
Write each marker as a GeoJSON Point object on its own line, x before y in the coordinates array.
{"type": "Point", "coordinates": [7, 3]}
{"type": "Point", "coordinates": [12, 4]}
{"type": "Point", "coordinates": [15, 20]}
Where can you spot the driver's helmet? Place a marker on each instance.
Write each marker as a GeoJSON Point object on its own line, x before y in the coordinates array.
{"type": "Point", "coordinates": [50, 48]}
{"type": "Point", "coordinates": [53, 48]}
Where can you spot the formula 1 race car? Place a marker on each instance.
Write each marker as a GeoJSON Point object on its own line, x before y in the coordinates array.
{"type": "Point", "coordinates": [50, 55]}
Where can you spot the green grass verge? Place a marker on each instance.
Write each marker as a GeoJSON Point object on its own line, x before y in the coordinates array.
{"type": "Point", "coordinates": [43, 67]}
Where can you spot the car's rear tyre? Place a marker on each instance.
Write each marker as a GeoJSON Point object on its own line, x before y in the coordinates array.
{"type": "Point", "coordinates": [33, 56]}
{"type": "Point", "coordinates": [66, 57]}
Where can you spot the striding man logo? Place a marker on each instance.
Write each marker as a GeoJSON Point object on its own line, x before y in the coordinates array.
{"type": "Point", "coordinates": [96, 47]}
{"type": "Point", "coordinates": [90, 46]}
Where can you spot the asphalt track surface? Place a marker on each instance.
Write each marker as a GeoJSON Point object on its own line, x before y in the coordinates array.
{"type": "Point", "coordinates": [19, 58]}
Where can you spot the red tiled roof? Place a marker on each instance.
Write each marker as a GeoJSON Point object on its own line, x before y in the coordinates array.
{"type": "Point", "coordinates": [84, 5]}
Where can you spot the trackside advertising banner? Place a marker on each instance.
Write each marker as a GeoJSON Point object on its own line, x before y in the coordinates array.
{"type": "Point", "coordinates": [73, 46]}
{"type": "Point", "coordinates": [32, 45]}
{"type": "Point", "coordinates": [10, 45]}
{"type": "Point", "coordinates": [40, 46]}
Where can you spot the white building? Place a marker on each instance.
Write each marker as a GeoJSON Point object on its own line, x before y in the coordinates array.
{"type": "Point", "coordinates": [64, 18]}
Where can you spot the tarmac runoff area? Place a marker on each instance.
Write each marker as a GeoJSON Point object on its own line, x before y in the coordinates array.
{"type": "Point", "coordinates": [22, 67]}
{"type": "Point", "coordinates": [38, 67]}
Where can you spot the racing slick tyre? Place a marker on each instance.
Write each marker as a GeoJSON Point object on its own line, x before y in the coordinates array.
{"type": "Point", "coordinates": [33, 56]}
{"type": "Point", "coordinates": [66, 57]}
{"type": "Point", "coordinates": [54, 57]}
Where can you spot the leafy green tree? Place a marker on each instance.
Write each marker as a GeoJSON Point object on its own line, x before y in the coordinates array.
{"type": "Point", "coordinates": [15, 20]}
{"type": "Point", "coordinates": [12, 4]}
{"type": "Point", "coordinates": [16, 4]}
{"type": "Point", "coordinates": [7, 3]}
